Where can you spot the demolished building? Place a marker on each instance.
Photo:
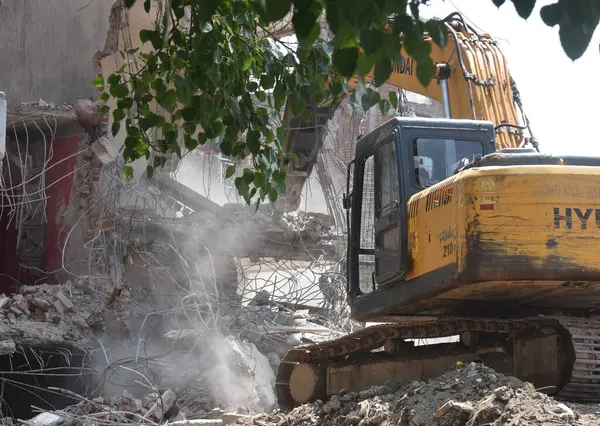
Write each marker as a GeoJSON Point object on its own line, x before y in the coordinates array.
{"type": "Point", "coordinates": [106, 284]}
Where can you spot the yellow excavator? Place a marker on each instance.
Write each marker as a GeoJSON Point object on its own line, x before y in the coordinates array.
{"type": "Point", "coordinates": [461, 227]}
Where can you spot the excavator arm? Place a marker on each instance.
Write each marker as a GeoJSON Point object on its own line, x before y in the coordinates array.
{"type": "Point", "coordinates": [471, 80]}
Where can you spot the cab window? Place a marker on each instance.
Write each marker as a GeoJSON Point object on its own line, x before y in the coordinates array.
{"type": "Point", "coordinates": [436, 159]}
{"type": "Point", "coordinates": [389, 184]}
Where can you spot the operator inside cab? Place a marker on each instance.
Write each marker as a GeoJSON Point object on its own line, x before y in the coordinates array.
{"type": "Point", "coordinates": [438, 159]}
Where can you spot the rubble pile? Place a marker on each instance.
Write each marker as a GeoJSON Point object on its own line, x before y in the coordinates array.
{"type": "Point", "coordinates": [47, 314]}
{"type": "Point", "coordinates": [227, 375]}
{"type": "Point", "coordinates": [292, 227]}
{"type": "Point", "coordinates": [275, 331]}
{"type": "Point", "coordinates": [469, 395]}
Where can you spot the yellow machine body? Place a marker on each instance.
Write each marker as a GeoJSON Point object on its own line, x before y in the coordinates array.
{"type": "Point", "coordinates": [516, 238]}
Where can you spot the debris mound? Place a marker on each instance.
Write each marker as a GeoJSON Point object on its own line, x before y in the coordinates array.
{"type": "Point", "coordinates": [468, 395]}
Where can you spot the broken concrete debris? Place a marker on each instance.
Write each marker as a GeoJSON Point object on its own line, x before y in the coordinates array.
{"type": "Point", "coordinates": [46, 419]}
{"type": "Point", "coordinates": [468, 395]}
{"type": "Point", "coordinates": [162, 405]}
{"type": "Point", "coordinates": [41, 304]}
{"type": "Point", "coordinates": [64, 300]}
{"type": "Point", "coordinates": [44, 314]}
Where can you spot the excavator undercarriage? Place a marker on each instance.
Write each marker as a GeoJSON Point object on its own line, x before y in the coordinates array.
{"type": "Point", "coordinates": [559, 355]}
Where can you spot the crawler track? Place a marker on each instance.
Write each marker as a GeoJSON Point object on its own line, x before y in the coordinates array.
{"type": "Point", "coordinates": [583, 382]}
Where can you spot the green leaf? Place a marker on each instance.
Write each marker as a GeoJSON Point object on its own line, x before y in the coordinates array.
{"type": "Point", "coordinates": [226, 146]}
{"type": "Point", "coordinates": [279, 94]}
{"type": "Point", "coordinates": [259, 179]}
{"type": "Point", "coordinates": [190, 143]}
{"type": "Point", "coordinates": [267, 81]}
{"type": "Point", "coordinates": [277, 9]}
{"type": "Point", "coordinates": [273, 195]}
{"type": "Point", "coordinates": [206, 9]}
{"type": "Point", "coordinates": [118, 114]}
{"type": "Point", "coordinates": [365, 64]}
{"type": "Point", "coordinates": [253, 141]}
{"type": "Point", "coordinates": [278, 176]}
{"type": "Point", "coordinates": [98, 81]}
{"type": "Point", "coordinates": [296, 105]}
{"type": "Point", "coordinates": [113, 79]}
{"type": "Point", "coordinates": [119, 91]}
{"type": "Point", "coordinates": [247, 62]}
{"type": "Point", "coordinates": [147, 6]}
{"type": "Point", "coordinates": [152, 37]}
{"type": "Point", "coordinates": [371, 40]}
{"type": "Point", "coordinates": [252, 86]}
{"type": "Point", "coordinates": [149, 121]}
{"type": "Point", "coordinates": [116, 126]}
{"type": "Point", "coordinates": [168, 100]}
{"type": "Point", "coordinates": [218, 127]}
{"type": "Point", "coordinates": [369, 98]}
{"type": "Point", "coordinates": [103, 97]}
{"type": "Point", "coordinates": [574, 40]}
{"type": "Point", "coordinates": [384, 106]}
{"type": "Point", "coordinates": [146, 77]}
{"type": "Point", "coordinates": [241, 186]}
{"type": "Point", "coordinates": [404, 24]}
{"type": "Point", "coordinates": [415, 46]}
{"type": "Point", "coordinates": [281, 189]}
{"type": "Point", "coordinates": [304, 20]}
{"type": "Point", "coordinates": [414, 9]}
{"type": "Point", "coordinates": [425, 72]}
{"type": "Point", "coordinates": [438, 32]}
{"type": "Point", "coordinates": [159, 161]}
{"type": "Point", "coordinates": [383, 70]}
{"type": "Point", "coordinates": [128, 173]}
{"type": "Point", "coordinates": [345, 60]}
{"type": "Point", "coordinates": [393, 97]}
{"type": "Point", "coordinates": [524, 7]}
{"type": "Point", "coordinates": [576, 24]}
{"type": "Point", "coordinates": [188, 114]}
{"type": "Point", "coordinates": [392, 47]}
{"type": "Point", "coordinates": [230, 171]}
{"type": "Point", "coordinates": [248, 176]}
{"type": "Point", "coordinates": [149, 171]}
{"type": "Point", "coordinates": [125, 103]}
{"type": "Point", "coordinates": [552, 14]}
{"type": "Point", "coordinates": [128, 3]}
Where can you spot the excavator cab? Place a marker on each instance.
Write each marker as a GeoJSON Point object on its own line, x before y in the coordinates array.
{"type": "Point", "coordinates": [393, 163]}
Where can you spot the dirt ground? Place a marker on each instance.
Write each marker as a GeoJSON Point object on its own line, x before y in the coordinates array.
{"type": "Point", "coordinates": [469, 395]}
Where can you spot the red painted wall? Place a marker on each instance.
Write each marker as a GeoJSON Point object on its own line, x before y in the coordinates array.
{"type": "Point", "coordinates": [59, 182]}
{"type": "Point", "coordinates": [10, 272]}
{"type": "Point", "coordinates": [9, 265]}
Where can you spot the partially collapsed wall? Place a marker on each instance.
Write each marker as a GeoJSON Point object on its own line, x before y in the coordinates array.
{"type": "Point", "coordinates": [144, 301]}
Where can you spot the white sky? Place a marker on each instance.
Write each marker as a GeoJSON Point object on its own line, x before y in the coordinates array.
{"type": "Point", "coordinates": [560, 97]}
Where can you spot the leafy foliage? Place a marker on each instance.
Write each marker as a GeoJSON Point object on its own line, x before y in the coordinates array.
{"type": "Point", "coordinates": [214, 76]}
